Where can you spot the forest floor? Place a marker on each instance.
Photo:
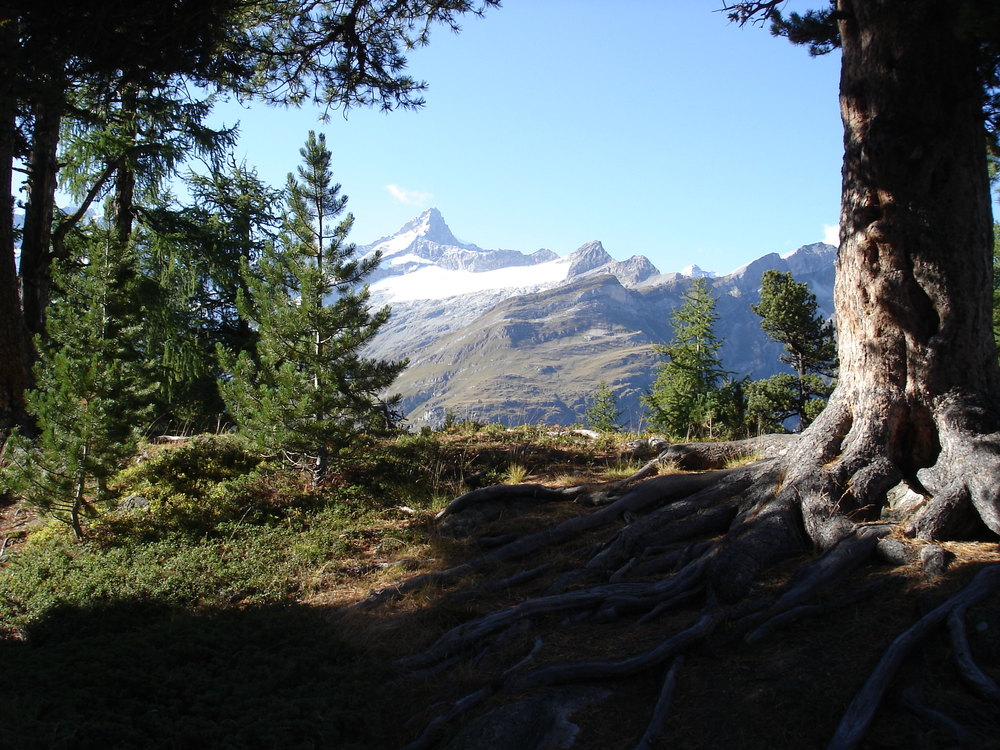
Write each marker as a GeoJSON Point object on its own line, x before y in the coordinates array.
{"type": "Point", "coordinates": [303, 668]}
{"type": "Point", "coordinates": [787, 692]}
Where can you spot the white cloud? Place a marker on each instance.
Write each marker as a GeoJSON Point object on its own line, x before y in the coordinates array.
{"type": "Point", "coordinates": [409, 197]}
{"type": "Point", "coordinates": [831, 234]}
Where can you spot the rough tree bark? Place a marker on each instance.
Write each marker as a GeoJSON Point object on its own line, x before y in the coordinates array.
{"type": "Point", "coordinates": [918, 370]}
{"type": "Point", "coordinates": [36, 242]}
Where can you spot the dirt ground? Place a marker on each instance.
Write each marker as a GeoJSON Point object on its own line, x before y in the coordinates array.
{"type": "Point", "coordinates": [788, 691]}
{"type": "Point", "coordinates": [16, 521]}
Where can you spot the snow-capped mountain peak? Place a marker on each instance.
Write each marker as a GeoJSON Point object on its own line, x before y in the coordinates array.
{"type": "Point", "coordinates": [697, 273]}
{"type": "Point", "coordinates": [422, 233]}
{"type": "Point", "coordinates": [425, 261]}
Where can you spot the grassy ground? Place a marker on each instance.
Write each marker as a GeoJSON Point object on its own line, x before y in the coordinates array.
{"type": "Point", "coordinates": [206, 618]}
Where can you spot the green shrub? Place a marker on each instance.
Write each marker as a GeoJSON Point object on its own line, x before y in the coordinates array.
{"type": "Point", "coordinates": [190, 468]}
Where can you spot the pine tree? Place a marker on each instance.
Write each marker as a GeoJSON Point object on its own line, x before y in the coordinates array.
{"type": "Point", "coordinates": [789, 316]}
{"type": "Point", "coordinates": [603, 413]}
{"type": "Point", "coordinates": [115, 55]}
{"type": "Point", "coordinates": [92, 385]}
{"type": "Point", "coordinates": [310, 390]}
{"type": "Point", "coordinates": [195, 253]}
{"type": "Point", "coordinates": [691, 396]}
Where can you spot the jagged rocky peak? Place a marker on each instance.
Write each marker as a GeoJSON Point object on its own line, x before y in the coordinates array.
{"type": "Point", "coordinates": [808, 257]}
{"type": "Point", "coordinates": [588, 258]}
{"type": "Point", "coordinates": [424, 257]}
{"type": "Point", "coordinates": [430, 225]}
{"type": "Point", "coordinates": [543, 255]}
{"type": "Point", "coordinates": [758, 266]}
{"type": "Point", "coordinates": [424, 237]}
{"type": "Point", "coordinates": [591, 259]}
{"type": "Point", "coordinates": [636, 269]}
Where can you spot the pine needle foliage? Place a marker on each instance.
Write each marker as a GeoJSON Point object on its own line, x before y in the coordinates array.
{"type": "Point", "coordinates": [310, 390]}
{"type": "Point", "coordinates": [603, 413]}
{"type": "Point", "coordinates": [92, 387]}
{"type": "Point", "coordinates": [789, 316]}
{"type": "Point", "coordinates": [692, 396]}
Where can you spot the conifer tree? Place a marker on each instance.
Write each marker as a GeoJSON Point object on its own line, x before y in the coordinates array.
{"type": "Point", "coordinates": [691, 396]}
{"type": "Point", "coordinates": [195, 253]}
{"type": "Point", "coordinates": [603, 413]}
{"type": "Point", "coordinates": [92, 385]}
{"type": "Point", "coordinates": [130, 59]}
{"type": "Point", "coordinates": [789, 316]}
{"type": "Point", "coordinates": [311, 389]}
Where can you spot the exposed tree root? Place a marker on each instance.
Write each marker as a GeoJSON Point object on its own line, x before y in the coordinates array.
{"type": "Point", "coordinates": [701, 456]}
{"type": "Point", "coordinates": [967, 666]}
{"type": "Point", "coordinates": [639, 498]}
{"type": "Point", "coordinates": [778, 617]}
{"type": "Point", "coordinates": [659, 560]}
{"type": "Point", "coordinates": [969, 458]}
{"type": "Point", "coordinates": [490, 586]}
{"type": "Point", "coordinates": [435, 728]}
{"type": "Point", "coordinates": [659, 721]}
{"type": "Point", "coordinates": [508, 493]}
{"type": "Point", "coordinates": [862, 709]}
{"type": "Point", "coordinates": [618, 668]}
{"type": "Point", "coordinates": [702, 541]}
{"type": "Point", "coordinates": [913, 700]}
{"type": "Point", "coordinates": [834, 564]}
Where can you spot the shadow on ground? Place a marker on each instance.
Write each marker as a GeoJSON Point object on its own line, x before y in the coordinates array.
{"type": "Point", "coordinates": [131, 675]}
{"type": "Point", "coordinates": [140, 675]}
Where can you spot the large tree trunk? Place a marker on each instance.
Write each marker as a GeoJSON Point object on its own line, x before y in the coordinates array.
{"type": "Point", "coordinates": [13, 340]}
{"type": "Point", "coordinates": [918, 369]}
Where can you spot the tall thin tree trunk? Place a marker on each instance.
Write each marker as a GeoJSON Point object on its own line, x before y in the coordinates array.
{"type": "Point", "coordinates": [36, 242]}
{"type": "Point", "coordinates": [13, 334]}
{"type": "Point", "coordinates": [78, 498]}
{"type": "Point", "coordinates": [323, 455]}
{"type": "Point", "coordinates": [123, 203]}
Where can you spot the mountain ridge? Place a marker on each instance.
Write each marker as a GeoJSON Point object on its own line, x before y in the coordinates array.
{"type": "Point", "coordinates": [523, 341]}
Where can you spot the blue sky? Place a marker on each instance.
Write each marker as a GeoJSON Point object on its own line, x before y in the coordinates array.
{"type": "Point", "coordinates": [656, 127]}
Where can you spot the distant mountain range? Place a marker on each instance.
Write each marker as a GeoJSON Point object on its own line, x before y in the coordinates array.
{"type": "Point", "coordinates": [500, 335]}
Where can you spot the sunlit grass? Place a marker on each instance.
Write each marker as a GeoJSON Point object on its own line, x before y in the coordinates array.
{"type": "Point", "coordinates": [737, 461]}
{"type": "Point", "coordinates": [623, 469]}
{"type": "Point", "coordinates": [516, 474]}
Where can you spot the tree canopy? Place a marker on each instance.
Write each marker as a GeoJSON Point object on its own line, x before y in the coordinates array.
{"type": "Point", "coordinates": [788, 315]}
{"type": "Point", "coordinates": [97, 98]}
{"type": "Point", "coordinates": [692, 395]}
{"type": "Point", "coordinates": [602, 412]}
{"type": "Point", "coordinates": [309, 388]}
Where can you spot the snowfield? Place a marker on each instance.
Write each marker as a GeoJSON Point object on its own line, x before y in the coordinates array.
{"type": "Point", "coordinates": [434, 282]}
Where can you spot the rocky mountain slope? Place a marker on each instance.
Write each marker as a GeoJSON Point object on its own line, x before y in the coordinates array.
{"type": "Point", "coordinates": [499, 335]}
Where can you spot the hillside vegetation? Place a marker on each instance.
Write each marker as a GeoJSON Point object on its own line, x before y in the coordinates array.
{"type": "Point", "coordinates": [214, 603]}
{"type": "Point", "coordinates": [199, 608]}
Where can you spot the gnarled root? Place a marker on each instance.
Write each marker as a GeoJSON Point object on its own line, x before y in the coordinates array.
{"type": "Point", "coordinates": [659, 721]}
{"type": "Point", "coordinates": [702, 542]}
{"type": "Point", "coordinates": [862, 709]}
{"type": "Point", "coordinates": [636, 500]}
{"type": "Point", "coordinates": [701, 456]}
{"type": "Point", "coordinates": [967, 470]}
